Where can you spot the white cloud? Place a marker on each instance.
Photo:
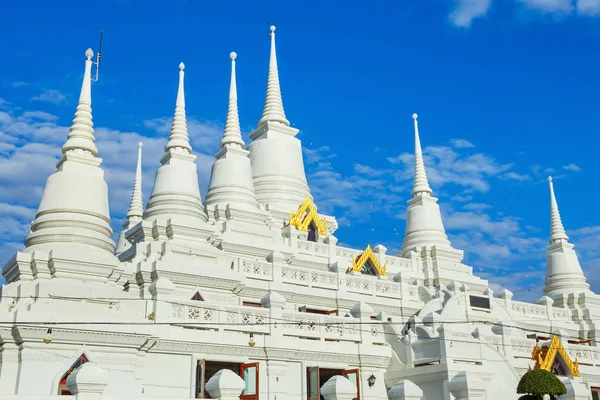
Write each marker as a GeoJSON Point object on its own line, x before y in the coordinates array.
{"type": "Point", "coordinates": [445, 165]}
{"type": "Point", "coordinates": [572, 167]}
{"type": "Point", "coordinates": [51, 96]}
{"type": "Point", "coordinates": [468, 10]}
{"type": "Point", "coordinates": [515, 176]}
{"type": "Point", "coordinates": [549, 6]}
{"type": "Point", "coordinates": [30, 144]}
{"type": "Point", "coordinates": [18, 84]}
{"type": "Point", "coordinates": [588, 7]}
{"type": "Point", "coordinates": [461, 143]}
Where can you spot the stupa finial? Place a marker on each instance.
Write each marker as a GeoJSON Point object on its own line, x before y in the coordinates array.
{"type": "Point", "coordinates": [273, 111]}
{"type": "Point", "coordinates": [232, 137]}
{"type": "Point", "coordinates": [557, 230]}
{"type": "Point", "coordinates": [136, 208]}
{"type": "Point", "coordinates": [178, 138]}
{"type": "Point", "coordinates": [421, 184]}
{"type": "Point", "coordinates": [81, 135]}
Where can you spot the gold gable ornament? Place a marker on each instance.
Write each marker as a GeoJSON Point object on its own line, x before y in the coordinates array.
{"type": "Point", "coordinates": [546, 355]}
{"type": "Point", "coordinates": [366, 256]}
{"type": "Point", "coordinates": [302, 222]}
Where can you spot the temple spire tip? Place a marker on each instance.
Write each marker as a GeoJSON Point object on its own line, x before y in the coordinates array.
{"type": "Point", "coordinates": [421, 184]}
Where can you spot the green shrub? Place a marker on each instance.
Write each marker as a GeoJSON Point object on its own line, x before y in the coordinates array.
{"type": "Point", "coordinates": [530, 397]}
{"type": "Point", "coordinates": [539, 382]}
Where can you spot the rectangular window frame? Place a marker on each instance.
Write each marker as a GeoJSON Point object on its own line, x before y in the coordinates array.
{"type": "Point", "coordinates": [255, 395]}
{"type": "Point", "coordinates": [200, 374]}
{"type": "Point", "coordinates": [308, 372]}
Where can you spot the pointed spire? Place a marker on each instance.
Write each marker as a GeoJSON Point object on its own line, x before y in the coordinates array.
{"type": "Point", "coordinates": [557, 230]}
{"type": "Point", "coordinates": [178, 138]}
{"type": "Point", "coordinates": [421, 185]}
{"type": "Point", "coordinates": [136, 208]}
{"type": "Point", "coordinates": [233, 134]}
{"type": "Point", "coordinates": [81, 135]}
{"type": "Point", "coordinates": [273, 111]}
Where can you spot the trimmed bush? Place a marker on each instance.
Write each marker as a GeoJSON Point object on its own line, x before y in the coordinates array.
{"type": "Point", "coordinates": [530, 397]}
{"type": "Point", "coordinates": [539, 382]}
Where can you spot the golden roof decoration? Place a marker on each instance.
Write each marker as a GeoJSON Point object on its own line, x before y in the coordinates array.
{"type": "Point", "coordinates": [546, 355]}
{"type": "Point", "coordinates": [368, 256]}
{"type": "Point", "coordinates": [302, 221]}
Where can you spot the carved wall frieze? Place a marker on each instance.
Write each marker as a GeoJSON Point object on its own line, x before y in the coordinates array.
{"type": "Point", "coordinates": [272, 353]}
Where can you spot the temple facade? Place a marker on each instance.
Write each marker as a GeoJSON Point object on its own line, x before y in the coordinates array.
{"type": "Point", "coordinates": [249, 281]}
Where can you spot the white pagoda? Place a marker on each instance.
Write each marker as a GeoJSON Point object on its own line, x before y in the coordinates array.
{"type": "Point", "coordinates": [247, 294]}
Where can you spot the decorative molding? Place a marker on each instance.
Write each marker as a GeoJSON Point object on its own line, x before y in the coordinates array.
{"type": "Point", "coordinates": [270, 353]}
{"type": "Point", "coordinates": [368, 255]}
{"type": "Point", "coordinates": [302, 222]}
{"type": "Point", "coordinates": [547, 354]}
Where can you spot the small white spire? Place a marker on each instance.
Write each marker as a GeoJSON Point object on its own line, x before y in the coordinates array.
{"type": "Point", "coordinates": [557, 230]}
{"type": "Point", "coordinates": [136, 208]}
{"type": "Point", "coordinates": [81, 135]}
{"type": "Point", "coordinates": [421, 184]}
{"type": "Point", "coordinates": [273, 111]}
{"type": "Point", "coordinates": [232, 137]}
{"type": "Point", "coordinates": [179, 139]}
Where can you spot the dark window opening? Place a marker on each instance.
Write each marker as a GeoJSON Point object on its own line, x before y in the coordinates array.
{"type": "Point", "coordinates": [558, 368]}
{"type": "Point", "coordinates": [251, 304]}
{"type": "Point", "coordinates": [63, 390]}
{"type": "Point", "coordinates": [480, 302]}
{"type": "Point", "coordinates": [595, 393]}
{"type": "Point", "coordinates": [312, 232]}
{"type": "Point", "coordinates": [335, 311]}
{"type": "Point", "coordinates": [368, 268]}
{"type": "Point", "coordinates": [197, 297]}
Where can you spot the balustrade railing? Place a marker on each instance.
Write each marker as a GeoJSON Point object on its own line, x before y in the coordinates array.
{"type": "Point", "coordinates": [310, 278]}
{"type": "Point", "coordinates": [321, 326]}
{"type": "Point", "coordinates": [230, 318]}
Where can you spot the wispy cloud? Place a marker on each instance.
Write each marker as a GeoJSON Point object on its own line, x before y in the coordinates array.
{"type": "Point", "coordinates": [51, 96]}
{"type": "Point", "coordinates": [572, 167]}
{"type": "Point", "coordinates": [461, 143]}
{"type": "Point", "coordinates": [468, 10]}
{"type": "Point", "coordinates": [550, 6]}
{"type": "Point", "coordinates": [588, 7]}
{"type": "Point", "coordinates": [19, 84]}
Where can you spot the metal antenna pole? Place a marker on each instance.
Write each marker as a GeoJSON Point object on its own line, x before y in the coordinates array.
{"type": "Point", "coordinates": [98, 56]}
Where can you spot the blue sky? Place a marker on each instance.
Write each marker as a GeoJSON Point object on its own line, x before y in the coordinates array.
{"type": "Point", "coordinates": [506, 91]}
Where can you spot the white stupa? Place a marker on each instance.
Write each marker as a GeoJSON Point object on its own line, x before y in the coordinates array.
{"type": "Point", "coordinates": [176, 194]}
{"type": "Point", "coordinates": [231, 176]}
{"type": "Point", "coordinates": [275, 152]}
{"type": "Point", "coordinates": [71, 232]}
{"type": "Point", "coordinates": [564, 275]}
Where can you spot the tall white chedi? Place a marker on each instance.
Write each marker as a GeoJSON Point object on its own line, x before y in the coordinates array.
{"type": "Point", "coordinates": [136, 207]}
{"type": "Point", "coordinates": [231, 174]}
{"type": "Point", "coordinates": [424, 226]}
{"type": "Point", "coordinates": [275, 152]}
{"type": "Point", "coordinates": [563, 271]}
{"type": "Point", "coordinates": [176, 193]}
{"type": "Point", "coordinates": [72, 225]}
